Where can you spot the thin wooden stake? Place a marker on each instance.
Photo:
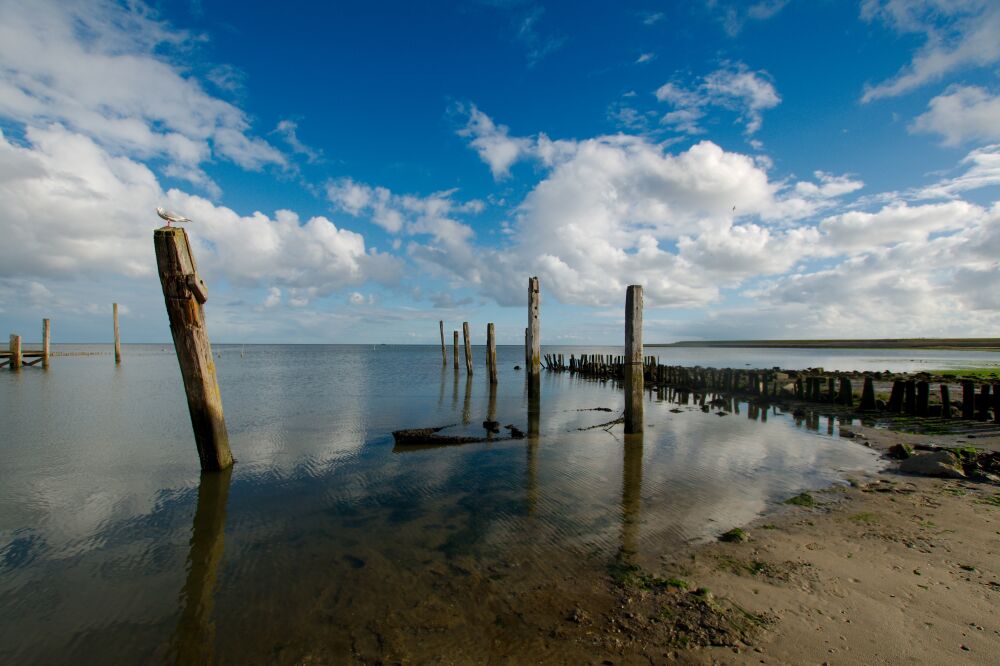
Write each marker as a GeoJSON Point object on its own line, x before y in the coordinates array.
{"type": "Point", "coordinates": [118, 339]}
{"type": "Point", "coordinates": [468, 347]}
{"type": "Point", "coordinates": [633, 360]}
{"type": "Point", "coordinates": [455, 353]}
{"type": "Point", "coordinates": [184, 295]}
{"type": "Point", "coordinates": [46, 331]}
{"type": "Point", "coordinates": [444, 354]}
{"type": "Point", "coordinates": [491, 352]}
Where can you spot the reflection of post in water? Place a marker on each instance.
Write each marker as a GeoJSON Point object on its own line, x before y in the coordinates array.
{"type": "Point", "coordinates": [194, 638]}
{"type": "Point", "coordinates": [454, 390]}
{"type": "Point", "coordinates": [534, 383]}
{"type": "Point", "coordinates": [444, 369]}
{"type": "Point", "coordinates": [631, 494]}
{"type": "Point", "coordinates": [534, 404]}
{"type": "Point", "coordinates": [467, 405]}
{"type": "Point", "coordinates": [491, 409]}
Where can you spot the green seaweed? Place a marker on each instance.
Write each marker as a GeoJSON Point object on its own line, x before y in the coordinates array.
{"type": "Point", "coordinates": [802, 499]}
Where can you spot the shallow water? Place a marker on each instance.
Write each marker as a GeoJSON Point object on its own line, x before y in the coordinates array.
{"type": "Point", "coordinates": [327, 541]}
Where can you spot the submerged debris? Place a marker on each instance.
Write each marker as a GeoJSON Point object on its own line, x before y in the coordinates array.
{"type": "Point", "coordinates": [429, 436]}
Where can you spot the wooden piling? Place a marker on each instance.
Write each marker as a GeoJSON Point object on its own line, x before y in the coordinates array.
{"type": "Point", "coordinates": [534, 340]}
{"type": "Point", "coordinates": [923, 398]}
{"type": "Point", "coordinates": [468, 347]}
{"type": "Point", "coordinates": [910, 403]}
{"type": "Point", "coordinates": [184, 294]}
{"type": "Point", "coordinates": [846, 396]}
{"type": "Point", "coordinates": [945, 402]}
{"type": "Point", "coordinates": [996, 403]}
{"type": "Point", "coordinates": [868, 396]}
{"type": "Point", "coordinates": [15, 352]}
{"type": "Point", "coordinates": [444, 354]}
{"type": "Point", "coordinates": [633, 360]}
{"type": "Point", "coordinates": [984, 402]}
{"type": "Point", "coordinates": [491, 352]}
{"type": "Point", "coordinates": [46, 336]}
{"type": "Point", "coordinates": [968, 399]}
{"type": "Point", "coordinates": [455, 353]}
{"type": "Point", "coordinates": [896, 397]}
{"type": "Point", "coordinates": [118, 339]}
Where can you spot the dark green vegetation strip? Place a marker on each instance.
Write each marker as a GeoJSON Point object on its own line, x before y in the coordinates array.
{"type": "Point", "coordinates": [991, 344]}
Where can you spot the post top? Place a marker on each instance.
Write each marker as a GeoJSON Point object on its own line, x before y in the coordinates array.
{"type": "Point", "coordinates": [168, 231]}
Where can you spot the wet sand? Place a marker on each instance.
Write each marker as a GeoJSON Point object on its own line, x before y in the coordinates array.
{"type": "Point", "coordinates": [893, 569]}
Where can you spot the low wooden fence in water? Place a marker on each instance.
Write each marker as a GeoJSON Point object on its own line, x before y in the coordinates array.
{"type": "Point", "coordinates": [905, 394]}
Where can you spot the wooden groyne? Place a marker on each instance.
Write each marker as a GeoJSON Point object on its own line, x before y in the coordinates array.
{"type": "Point", "coordinates": [909, 394]}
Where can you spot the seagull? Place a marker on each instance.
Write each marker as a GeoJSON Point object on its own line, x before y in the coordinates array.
{"type": "Point", "coordinates": [171, 216]}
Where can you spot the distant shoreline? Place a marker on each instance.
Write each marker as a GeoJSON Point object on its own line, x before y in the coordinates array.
{"type": "Point", "coordinates": [977, 344]}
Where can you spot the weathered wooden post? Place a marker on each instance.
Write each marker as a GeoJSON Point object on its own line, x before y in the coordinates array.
{"type": "Point", "coordinates": [534, 330]}
{"type": "Point", "coordinates": [996, 403]}
{"type": "Point", "coordinates": [846, 392]}
{"type": "Point", "coordinates": [910, 401]}
{"type": "Point", "coordinates": [184, 294]}
{"type": "Point", "coordinates": [491, 352]}
{"type": "Point", "coordinates": [923, 398]}
{"type": "Point", "coordinates": [896, 396]}
{"type": "Point", "coordinates": [633, 359]}
{"type": "Point", "coordinates": [945, 402]}
{"type": "Point", "coordinates": [468, 347]}
{"type": "Point", "coordinates": [118, 339]}
{"type": "Point", "coordinates": [868, 396]}
{"type": "Point", "coordinates": [984, 402]}
{"type": "Point", "coordinates": [968, 399]}
{"type": "Point", "coordinates": [455, 354]}
{"type": "Point", "coordinates": [444, 354]}
{"type": "Point", "coordinates": [15, 352]}
{"type": "Point", "coordinates": [46, 331]}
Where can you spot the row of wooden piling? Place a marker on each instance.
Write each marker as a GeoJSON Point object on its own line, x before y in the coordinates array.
{"type": "Point", "coordinates": [908, 396]}
{"type": "Point", "coordinates": [491, 350]}
{"type": "Point", "coordinates": [15, 355]}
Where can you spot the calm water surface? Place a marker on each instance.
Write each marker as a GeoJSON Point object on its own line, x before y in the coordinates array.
{"type": "Point", "coordinates": [326, 542]}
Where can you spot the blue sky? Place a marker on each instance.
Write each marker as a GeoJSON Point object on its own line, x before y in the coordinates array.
{"type": "Point", "coordinates": [356, 172]}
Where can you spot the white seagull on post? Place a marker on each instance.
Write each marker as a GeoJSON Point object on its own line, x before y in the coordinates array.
{"type": "Point", "coordinates": [171, 216]}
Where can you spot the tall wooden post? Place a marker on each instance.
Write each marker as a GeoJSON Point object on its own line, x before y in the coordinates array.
{"type": "Point", "coordinates": [633, 359]}
{"type": "Point", "coordinates": [185, 294]}
{"type": "Point", "coordinates": [468, 347]}
{"type": "Point", "coordinates": [46, 331]}
{"type": "Point", "coordinates": [534, 342]}
{"type": "Point", "coordinates": [15, 352]}
{"type": "Point", "coordinates": [491, 352]}
{"type": "Point", "coordinates": [118, 339]}
{"type": "Point", "coordinates": [444, 354]}
{"type": "Point", "coordinates": [455, 353]}
{"type": "Point", "coordinates": [945, 402]}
